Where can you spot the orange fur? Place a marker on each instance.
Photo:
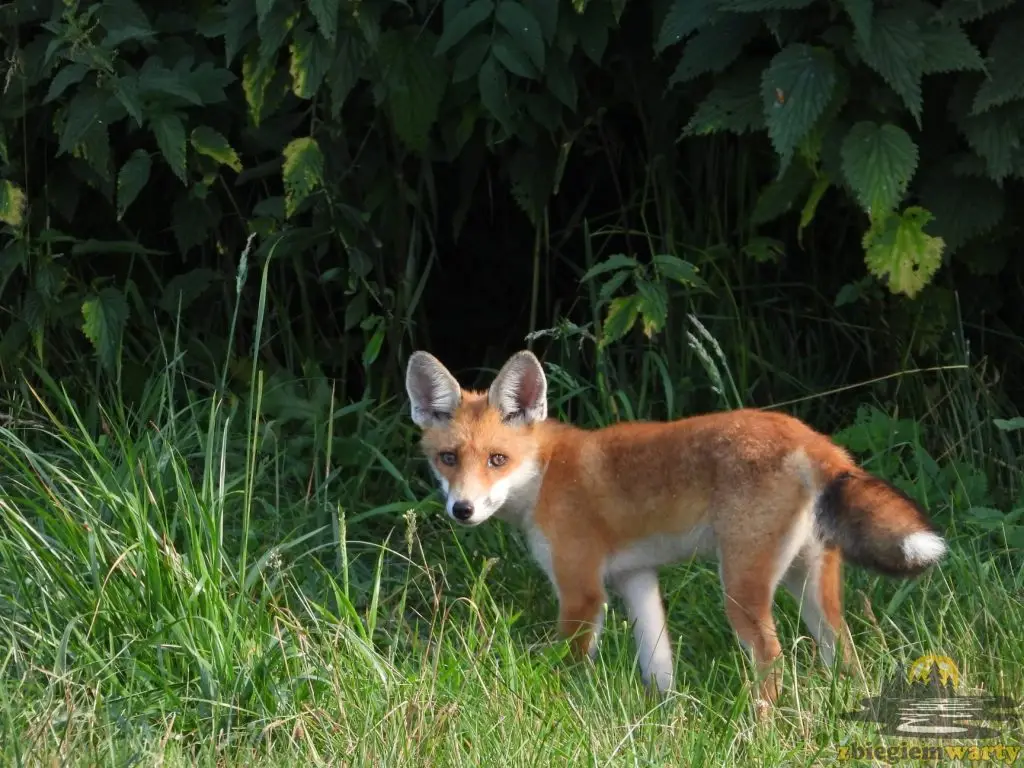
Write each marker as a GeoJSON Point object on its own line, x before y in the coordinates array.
{"type": "Point", "coordinates": [775, 500]}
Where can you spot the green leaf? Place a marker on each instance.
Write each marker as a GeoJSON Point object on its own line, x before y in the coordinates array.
{"type": "Point", "coordinates": [547, 14]}
{"type": "Point", "coordinates": [303, 172]}
{"type": "Point", "coordinates": [895, 51]}
{"type": "Point", "coordinates": [524, 28]}
{"type": "Point", "coordinates": [185, 289]}
{"type": "Point", "coordinates": [469, 61]}
{"type": "Point", "coordinates": [818, 190]}
{"type": "Point", "coordinates": [897, 248]}
{"type": "Point", "coordinates": [344, 74]}
{"type": "Point", "coordinates": [311, 59]}
{"type": "Point", "coordinates": [493, 85]}
{"type": "Point", "coordinates": [68, 76]}
{"type": "Point", "coordinates": [677, 269]}
{"type": "Point", "coordinates": [733, 105]}
{"type": "Point", "coordinates": [622, 315]}
{"type": "Point", "coordinates": [613, 263]}
{"type": "Point", "coordinates": [263, 9]}
{"type": "Point", "coordinates": [995, 135]}
{"type": "Point", "coordinates": [511, 57]}
{"type": "Point", "coordinates": [948, 49]}
{"type": "Point", "coordinates": [80, 117]}
{"type": "Point", "coordinates": [782, 194]}
{"type": "Point", "coordinates": [860, 12]}
{"type": "Point", "coordinates": [560, 80]}
{"type": "Point", "coordinates": [326, 14]}
{"type": "Point", "coordinates": [653, 305]}
{"type": "Point", "coordinates": [715, 47]}
{"type": "Point", "coordinates": [131, 179]}
{"type": "Point", "coordinates": [170, 137]}
{"type": "Point", "coordinates": [755, 6]}
{"type": "Point", "coordinates": [683, 18]}
{"type": "Point", "coordinates": [12, 203]}
{"type": "Point", "coordinates": [124, 20]}
{"type": "Point", "coordinates": [972, 10]}
{"type": "Point", "coordinates": [964, 208]}
{"type": "Point", "coordinates": [156, 80]}
{"type": "Point", "coordinates": [464, 22]}
{"type": "Point", "coordinates": [414, 83]}
{"type": "Point", "coordinates": [105, 315]}
{"type": "Point", "coordinates": [795, 90]}
{"type": "Point", "coordinates": [1005, 64]}
{"type": "Point", "coordinates": [878, 163]}
{"type": "Point", "coordinates": [206, 141]}
{"type": "Point", "coordinates": [1009, 425]}
{"type": "Point", "coordinates": [256, 82]}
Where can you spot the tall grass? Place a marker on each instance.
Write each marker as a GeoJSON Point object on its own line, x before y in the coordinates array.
{"type": "Point", "coordinates": [269, 580]}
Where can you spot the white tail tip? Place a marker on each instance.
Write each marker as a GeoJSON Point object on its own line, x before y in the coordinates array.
{"type": "Point", "coordinates": [923, 548]}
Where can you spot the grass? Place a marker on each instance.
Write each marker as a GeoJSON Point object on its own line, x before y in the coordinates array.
{"type": "Point", "coordinates": [201, 582]}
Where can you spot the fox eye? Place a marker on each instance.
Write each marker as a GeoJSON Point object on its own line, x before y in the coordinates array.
{"type": "Point", "coordinates": [448, 458]}
{"type": "Point", "coordinates": [497, 459]}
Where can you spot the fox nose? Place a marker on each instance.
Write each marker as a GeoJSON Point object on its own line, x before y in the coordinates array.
{"type": "Point", "coordinates": [462, 510]}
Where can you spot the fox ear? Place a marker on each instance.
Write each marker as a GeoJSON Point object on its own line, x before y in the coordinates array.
{"type": "Point", "coordinates": [434, 393]}
{"type": "Point", "coordinates": [520, 390]}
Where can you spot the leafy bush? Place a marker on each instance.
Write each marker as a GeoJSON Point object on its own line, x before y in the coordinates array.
{"type": "Point", "coordinates": [142, 145]}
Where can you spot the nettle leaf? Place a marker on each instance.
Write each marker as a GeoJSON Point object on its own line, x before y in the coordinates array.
{"type": "Point", "coordinates": [684, 18]}
{"type": "Point", "coordinates": [1005, 64]}
{"type": "Point", "coordinates": [947, 48]}
{"type": "Point", "coordinates": [80, 117]}
{"type": "Point", "coordinates": [715, 47]}
{"type": "Point", "coordinates": [878, 163]}
{"type": "Point", "coordinates": [303, 172]}
{"type": "Point", "coordinates": [12, 203]}
{"type": "Point", "coordinates": [263, 9]}
{"type": "Point", "coordinates": [256, 81]}
{"type": "Point", "coordinates": [963, 207]}
{"type": "Point", "coordinates": [783, 194]}
{"type": "Point", "coordinates": [614, 263]}
{"type": "Point", "coordinates": [995, 136]}
{"type": "Point", "coordinates": [895, 51]}
{"type": "Point", "coordinates": [170, 137]}
{"type": "Point", "coordinates": [124, 20]}
{"type": "Point", "coordinates": [733, 105]}
{"type": "Point", "coordinates": [344, 73]}
{"type": "Point", "coordinates": [70, 75]}
{"type": "Point", "coordinates": [860, 12]}
{"type": "Point", "coordinates": [414, 82]}
{"type": "Point", "coordinates": [795, 90]}
{"type": "Point", "coordinates": [105, 315]}
{"type": "Point", "coordinates": [311, 59]}
{"type": "Point", "coordinates": [972, 10]}
{"type": "Point", "coordinates": [206, 141]}
{"type": "Point", "coordinates": [326, 14]}
{"type": "Point", "coordinates": [524, 28]}
{"type": "Point", "coordinates": [898, 250]}
{"type": "Point", "coordinates": [622, 316]}
{"type": "Point", "coordinates": [464, 22]}
{"type": "Point", "coordinates": [131, 179]}
{"type": "Point", "coordinates": [155, 80]}
{"type": "Point", "coordinates": [184, 289]}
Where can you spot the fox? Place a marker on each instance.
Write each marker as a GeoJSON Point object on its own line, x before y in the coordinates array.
{"type": "Point", "coordinates": [602, 509]}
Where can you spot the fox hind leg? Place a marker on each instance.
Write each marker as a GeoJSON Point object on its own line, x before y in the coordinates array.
{"type": "Point", "coordinates": [815, 581]}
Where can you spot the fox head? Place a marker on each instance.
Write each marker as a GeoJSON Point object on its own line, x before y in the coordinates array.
{"type": "Point", "coordinates": [480, 445]}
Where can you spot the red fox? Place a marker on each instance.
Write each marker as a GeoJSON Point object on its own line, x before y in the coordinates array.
{"type": "Point", "coordinates": [774, 500]}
